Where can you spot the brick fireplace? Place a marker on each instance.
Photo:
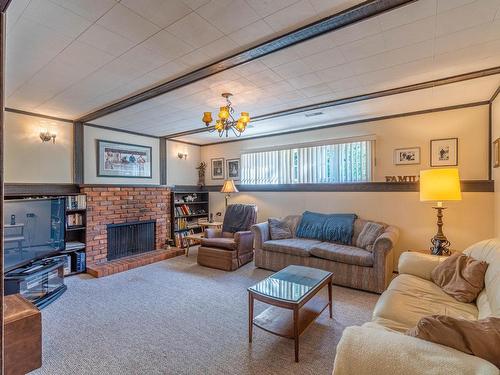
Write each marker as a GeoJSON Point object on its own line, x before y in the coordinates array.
{"type": "Point", "coordinates": [117, 205]}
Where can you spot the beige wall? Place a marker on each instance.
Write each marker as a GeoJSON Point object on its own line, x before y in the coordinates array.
{"type": "Point", "coordinates": [91, 134]}
{"type": "Point", "coordinates": [28, 160]}
{"type": "Point", "coordinates": [466, 222]}
{"type": "Point", "coordinates": [469, 125]}
{"type": "Point", "coordinates": [182, 171]}
{"type": "Point", "coordinates": [495, 110]}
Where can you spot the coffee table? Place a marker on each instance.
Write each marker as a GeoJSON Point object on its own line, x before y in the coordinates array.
{"type": "Point", "coordinates": [293, 288]}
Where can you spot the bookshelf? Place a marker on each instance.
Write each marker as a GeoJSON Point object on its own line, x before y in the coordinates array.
{"type": "Point", "coordinates": [187, 208]}
{"type": "Point", "coordinates": [76, 220]}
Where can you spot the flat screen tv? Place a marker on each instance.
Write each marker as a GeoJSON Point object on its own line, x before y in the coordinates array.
{"type": "Point", "coordinates": [33, 229]}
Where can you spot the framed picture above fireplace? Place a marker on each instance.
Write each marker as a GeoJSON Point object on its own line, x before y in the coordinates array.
{"type": "Point", "coordinates": [115, 159]}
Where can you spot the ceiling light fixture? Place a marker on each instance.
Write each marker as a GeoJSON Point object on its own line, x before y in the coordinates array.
{"type": "Point", "coordinates": [226, 120]}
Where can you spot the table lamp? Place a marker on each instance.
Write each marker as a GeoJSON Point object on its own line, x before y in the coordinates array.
{"type": "Point", "coordinates": [229, 188]}
{"type": "Point", "coordinates": [440, 185]}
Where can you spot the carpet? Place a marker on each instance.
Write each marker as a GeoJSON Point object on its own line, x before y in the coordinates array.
{"type": "Point", "coordinates": [175, 317]}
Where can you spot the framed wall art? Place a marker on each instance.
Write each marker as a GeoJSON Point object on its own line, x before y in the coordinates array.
{"type": "Point", "coordinates": [217, 168]}
{"type": "Point", "coordinates": [115, 159]}
{"type": "Point", "coordinates": [405, 156]}
{"type": "Point", "coordinates": [444, 152]}
{"type": "Point", "coordinates": [233, 169]}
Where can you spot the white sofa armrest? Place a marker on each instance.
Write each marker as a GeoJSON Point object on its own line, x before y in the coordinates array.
{"type": "Point", "coordinates": [376, 351]}
{"type": "Point", "coordinates": [418, 264]}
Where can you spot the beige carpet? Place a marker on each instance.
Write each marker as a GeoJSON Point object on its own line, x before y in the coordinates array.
{"type": "Point", "coordinates": [175, 317]}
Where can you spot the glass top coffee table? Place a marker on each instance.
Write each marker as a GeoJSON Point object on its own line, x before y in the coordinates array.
{"type": "Point", "coordinates": [293, 288]}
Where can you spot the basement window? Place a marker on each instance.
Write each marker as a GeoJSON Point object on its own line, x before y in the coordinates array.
{"type": "Point", "coordinates": [331, 162]}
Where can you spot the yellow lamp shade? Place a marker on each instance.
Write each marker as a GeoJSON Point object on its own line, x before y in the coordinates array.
{"type": "Point", "coordinates": [440, 185]}
{"type": "Point", "coordinates": [224, 113]}
{"type": "Point", "coordinates": [207, 117]}
{"type": "Point", "coordinates": [245, 117]}
{"type": "Point", "coordinates": [219, 126]}
{"type": "Point", "coordinates": [229, 187]}
{"type": "Point", "coordinates": [240, 126]}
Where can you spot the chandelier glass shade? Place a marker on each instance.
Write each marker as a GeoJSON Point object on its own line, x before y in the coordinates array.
{"type": "Point", "coordinates": [226, 121]}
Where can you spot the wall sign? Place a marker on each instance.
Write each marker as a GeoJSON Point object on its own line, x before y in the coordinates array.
{"type": "Point", "coordinates": [401, 178]}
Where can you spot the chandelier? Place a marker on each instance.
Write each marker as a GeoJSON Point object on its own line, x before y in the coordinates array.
{"type": "Point", "coordinates": [226, 121]}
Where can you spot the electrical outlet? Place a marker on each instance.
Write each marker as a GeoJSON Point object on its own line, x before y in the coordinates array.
{"type": "Point", "coordinates": [30, 214]}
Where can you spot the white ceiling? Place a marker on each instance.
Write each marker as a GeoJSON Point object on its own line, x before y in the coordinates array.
{"type": "Point", "coordinates": [69, 57]}
{"type": "Point", "coordinates": [84, 54]}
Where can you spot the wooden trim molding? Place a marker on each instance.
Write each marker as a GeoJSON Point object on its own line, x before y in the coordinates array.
{"type": "Point", "coordinates": [486, 186]}
{"type": "Point", "coordinates": [27, 113]}
{"type": "Point", "coordinates": [123, 186]}
{"type": "Point", "coordinates": [78, 153]}
{"type": "Point", "coordinates": [25, 190]}
{"type": "Point", "coordinates": [120, 130]}
{"type": "Point", "coordinates": [163, 161]}
{"type": "Point", "coordinates": [337, 21]}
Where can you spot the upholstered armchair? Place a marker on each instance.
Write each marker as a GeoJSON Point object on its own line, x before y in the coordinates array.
{"type": "Point", "coordinates": [231, 247]}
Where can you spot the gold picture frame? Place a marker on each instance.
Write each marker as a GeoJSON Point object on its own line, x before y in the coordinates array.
{"type": "Point", "coordinates": [496, 153]}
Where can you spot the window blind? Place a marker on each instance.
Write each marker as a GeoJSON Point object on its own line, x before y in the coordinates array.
{"type": "Point", "coordinates": [327, 163]}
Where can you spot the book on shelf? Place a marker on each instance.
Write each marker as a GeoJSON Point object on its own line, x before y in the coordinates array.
{"type": "Point", "coordinates": [76, 202]}
{"type": "Point", "coordinates": [74, 245]}
{"type": "Point", "coordinates": [73, 220]}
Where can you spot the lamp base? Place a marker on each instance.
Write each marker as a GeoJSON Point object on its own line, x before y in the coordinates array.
{"type": "Point", "coordinates": [440, 244]}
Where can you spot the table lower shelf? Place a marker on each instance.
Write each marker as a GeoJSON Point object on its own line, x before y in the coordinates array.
{"type": "Point", "coordinates": [279, 321]}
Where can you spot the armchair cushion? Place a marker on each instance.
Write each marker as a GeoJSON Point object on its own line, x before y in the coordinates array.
{"type": "Point", "coordinates": [220, 243]}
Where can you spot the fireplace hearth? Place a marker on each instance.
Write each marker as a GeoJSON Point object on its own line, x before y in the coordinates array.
{"type": "Point", "coordinates": [126, 239]}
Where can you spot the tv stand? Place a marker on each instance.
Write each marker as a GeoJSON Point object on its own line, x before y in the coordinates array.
{"type": "Point", "coordinates": [40, 282]}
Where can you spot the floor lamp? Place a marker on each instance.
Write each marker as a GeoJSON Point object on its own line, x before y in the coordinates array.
{"type": "Point", "coordinates": [229, 188]}
{"type": "Point", "coordinates": [440, 185]}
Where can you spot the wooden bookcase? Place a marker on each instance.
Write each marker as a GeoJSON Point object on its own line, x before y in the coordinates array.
{"type": "Point", "coordinates": [76, 224]}
{"type": "Point", "coordinates": [185, 213]}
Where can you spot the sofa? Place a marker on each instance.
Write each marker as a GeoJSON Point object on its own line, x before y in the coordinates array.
{"type": "Point", "coordinates": [353, 267]}
{"type": "Point", "coordinates": [382, 344]}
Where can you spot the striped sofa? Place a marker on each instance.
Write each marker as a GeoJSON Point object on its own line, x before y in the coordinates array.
{"type": "Point", "coordinates": [352, 266]}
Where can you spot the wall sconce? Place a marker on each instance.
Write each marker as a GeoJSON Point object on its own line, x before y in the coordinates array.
{"type": "Point", "coordinates": [46, 136]}
{"type": "Point", "coordinates": [182, 155]}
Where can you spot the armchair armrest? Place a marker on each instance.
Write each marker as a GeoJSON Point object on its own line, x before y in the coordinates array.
{"type": "Point", "coordinates": [213, 233]}
{"type": "Point", "coordinates": [244, 241]}
{"type": "Point", "coordinates": [261, 232]}
{"type": "Point", "coordinates": [376, 351]}
{"type": "Point", "coordinates": [418, 264]}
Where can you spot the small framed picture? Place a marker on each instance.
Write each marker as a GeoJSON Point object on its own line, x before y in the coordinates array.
{"type": "Point", "coordinates": [217, 169]}
{"type": "Point", "coordinates": [233, 169]}
{"type": "Point", "coordinates": [404, 156]}
{"type": "Point", "coordinates": [496, 153]}
{"type": "Point", "coordinates": [444, 152]}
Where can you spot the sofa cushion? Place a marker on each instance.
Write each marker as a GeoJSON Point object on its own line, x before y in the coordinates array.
{"type": "Point", "coordinates": [343, 254]}
{"type": "Point", "coordinates": [408, 298]}
{"type": "Point", "coordinates": [279, 229]}
{"type": "Point", "coordinates": [368, 235]}
{"type": "Point", "coordinates": [293, 246]}
{"type": "Point", "coordinates": [220, 243]}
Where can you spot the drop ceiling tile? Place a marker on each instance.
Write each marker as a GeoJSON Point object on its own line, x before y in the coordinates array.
{"type": "Point", "coordinates": [228, 15]}
{"type": "Point", "coordinates": [408, 14]}
{"type": "Point", "coordinates": [291, 17]}
{"type": "Point", "coordinates": [293, 69]}
{"type": "Point", "coordinates": [195, 59]}
{"type": "Point", "coordinates": [108, 41]}
{"type": "Point", "coordinates": [168, 45]}
{"type": "Point", "coordinates": [444, 5]}
{"type": "Point", "coordinates": [251, 67]}
{"type": "Point", "coordinates": [411, 33]}
{"type": "Point", "coordinates": [252, 34]}
{"type": "Point", "coordinates": [314, 45]}
{"type": "Point", "coordinates": [336, 73]}
{"type": "Point", "coordinates": [328, 7]}
{"type": "Point", "coordinates": [344, 84]}
{"type": "Point", "coordinates": [280, 57]}
{"type": "Point", "coordinates": [57, 18]}
{"type": "Point", "coordinates": [195, 4]}
{"type": "Point", "coordinates": [160, 12]}
{"type": "Point", "coordinates": [321, 89]}
{"type": "Point", "coordinates": [121, 20]}
{"type": "Point", "coordinates": [324, 60]}
{"type": "Point", "coordinates": [170, 70]}
{"type": "Point", "coordinates": [266, 7]}
{"type": "Point", "coordinates": [359, 49]}
{"type": "Point", "coordinates": [264, 78]}
{"type": "Point", "coordinates": [306, 80]}
{"type": "Point", "coordinates": [357, 31]}
{"type": "Point", "coordinates": [14, 12]}
{"type": "Point", "coordinates": [220, 48]}
{"type": "Point", "coordinates": [481, 11]}
{"type": "Point", "coordinates": [195, 30]}
{"type": "Point", "coordinates": [144, 58]}
{"type": "Point", "coordinates": [89, 9]}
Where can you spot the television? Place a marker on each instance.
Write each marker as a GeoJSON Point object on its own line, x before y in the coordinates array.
{"type": "Point", "coordinates": [33, 229]}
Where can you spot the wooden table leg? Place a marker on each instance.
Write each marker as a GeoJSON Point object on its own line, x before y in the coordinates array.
{"type": "Point", "coordinates": [250, 317]}
{"type": "Point", "coordinates": [330, 298]}
{"type": "Point", "coordinates": [188, 242]}
{"type": "Point", "coordinates": [296, 332]}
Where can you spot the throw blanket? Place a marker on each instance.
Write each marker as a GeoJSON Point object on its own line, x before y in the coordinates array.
{"type": "Point", "coordinates": [332, 228]}
{"type": "Point", "coordinates": [239, 217]}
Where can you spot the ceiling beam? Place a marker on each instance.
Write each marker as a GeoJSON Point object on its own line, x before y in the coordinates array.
{"type": "Point", "coordinates": [348, 17]}
{"type": "Point", "coordinates": [358, 98]}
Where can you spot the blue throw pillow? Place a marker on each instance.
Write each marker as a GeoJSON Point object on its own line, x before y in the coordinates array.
{"type": "Point", "coordinates": [327, 227]}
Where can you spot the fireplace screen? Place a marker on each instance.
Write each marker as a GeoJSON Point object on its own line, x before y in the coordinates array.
{"type": "Point", "coordinates": [131, 238]}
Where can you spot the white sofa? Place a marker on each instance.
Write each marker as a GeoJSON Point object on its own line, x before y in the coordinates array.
{"type": "Point", "coordinates": [380, 346]}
